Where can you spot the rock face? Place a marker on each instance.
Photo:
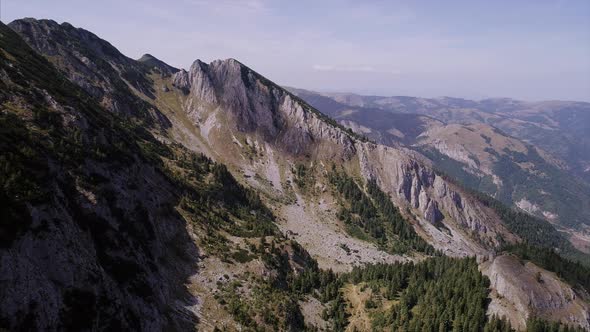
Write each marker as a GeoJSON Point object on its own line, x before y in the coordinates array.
{"type": "Point", "coordinates": [535, 292]}
{"type": "Point", "coordinates": [456, 223]}
{"type": "Point", "coordinates": [257, 105]}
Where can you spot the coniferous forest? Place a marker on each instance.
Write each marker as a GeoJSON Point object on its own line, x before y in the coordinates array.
{"type": "Point", "coordinates": [437, 294]}
{"type": "Point", "coordinates": [369, 212]}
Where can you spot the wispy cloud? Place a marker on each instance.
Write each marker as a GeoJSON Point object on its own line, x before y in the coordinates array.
{"type": "Point", "coordinates": [354, 68]}
{"type": "Point", "coordinates": [343, 68]}
{"type": "Point", "coordinates": [233, 6]}
{"type": "Point", "coordinates": [378, 13]}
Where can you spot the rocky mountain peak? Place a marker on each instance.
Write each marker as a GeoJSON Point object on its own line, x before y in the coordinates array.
{"type": "Point", "coordinates": [48, 37]}
{"type": "Point", "coordinates": [154, 62]}
{"type": "Point", "coordinates": [256, 105]}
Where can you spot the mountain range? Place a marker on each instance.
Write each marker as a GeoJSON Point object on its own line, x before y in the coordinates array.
{"type": "Point", "coordinates": [139, 196]}
{"type": "Point", "coordinates": [529, 155]}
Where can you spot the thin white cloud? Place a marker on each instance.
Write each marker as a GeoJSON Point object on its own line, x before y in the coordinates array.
{"type": "Point", "coordinates": [343, 68]}
{"type": "Point", "coordinates": [378, 13]}
{"type": "Point", "coordinates": [353, 68]}
{"type": "Point", "coordinates": [233, 6]}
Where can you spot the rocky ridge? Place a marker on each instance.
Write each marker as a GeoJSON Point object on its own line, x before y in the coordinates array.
{"type": "Point", "coordinates": [447, 216]}
{"type": "Point", "coordinates": [96, 66]}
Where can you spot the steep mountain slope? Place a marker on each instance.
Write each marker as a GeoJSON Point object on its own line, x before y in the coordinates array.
{"type": "Point", "coordinates": [83, 226]}
{"type": "Point", "coordinates": [236, 269]}
{"type": "Point", "coordinates": [158, 64]}
{"type": "Point", "coordinates": [541, 178]}
{"type": "Point", "coordinates": [94, 65]}
{"type": "Point", "coordinates": [103, 227]}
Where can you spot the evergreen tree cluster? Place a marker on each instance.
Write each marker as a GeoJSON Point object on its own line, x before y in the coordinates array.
{"type": "Point", "coordinates": [437, 294]}
{"type": "Point", "coordinates": [374, 213]}
{"type": "Point", "coordinates": [540, 325]}
{"type": "Point", "coordinates": [324, 284]}
{"type": "Point", "coordinates": [496, 324]}
{"type": "Point", "coordinates": [213, 192]}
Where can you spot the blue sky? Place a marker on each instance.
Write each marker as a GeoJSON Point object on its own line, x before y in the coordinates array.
{"type": "Point", "coordinates": [532, 50]}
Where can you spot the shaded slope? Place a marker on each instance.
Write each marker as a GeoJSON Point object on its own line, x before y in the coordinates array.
{"type": "Point", "coordinates": [100, 221]}
{"type": "Point", "coordinates": [94, 65]}
{"type": "Point", "coordinates": [79, 240]}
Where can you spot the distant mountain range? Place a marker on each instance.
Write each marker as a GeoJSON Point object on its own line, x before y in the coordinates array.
{"type": "Point", "coordinates": [139, 196]}
{"type": "Point", "coordinates": [535, 156]}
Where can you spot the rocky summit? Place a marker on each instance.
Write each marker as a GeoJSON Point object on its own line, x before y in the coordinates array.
{"type": "Point", "coordinates": [139, 196]}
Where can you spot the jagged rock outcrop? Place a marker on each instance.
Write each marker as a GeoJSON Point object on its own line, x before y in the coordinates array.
{"type": "Point", "coordinates": [468, 228]}
{"type": "Point", "coordinates": [197, 82]}
{"type": "Point", "coordinates": [257, 105]}
{"type": "Point", "coordinates": [534, 292]}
